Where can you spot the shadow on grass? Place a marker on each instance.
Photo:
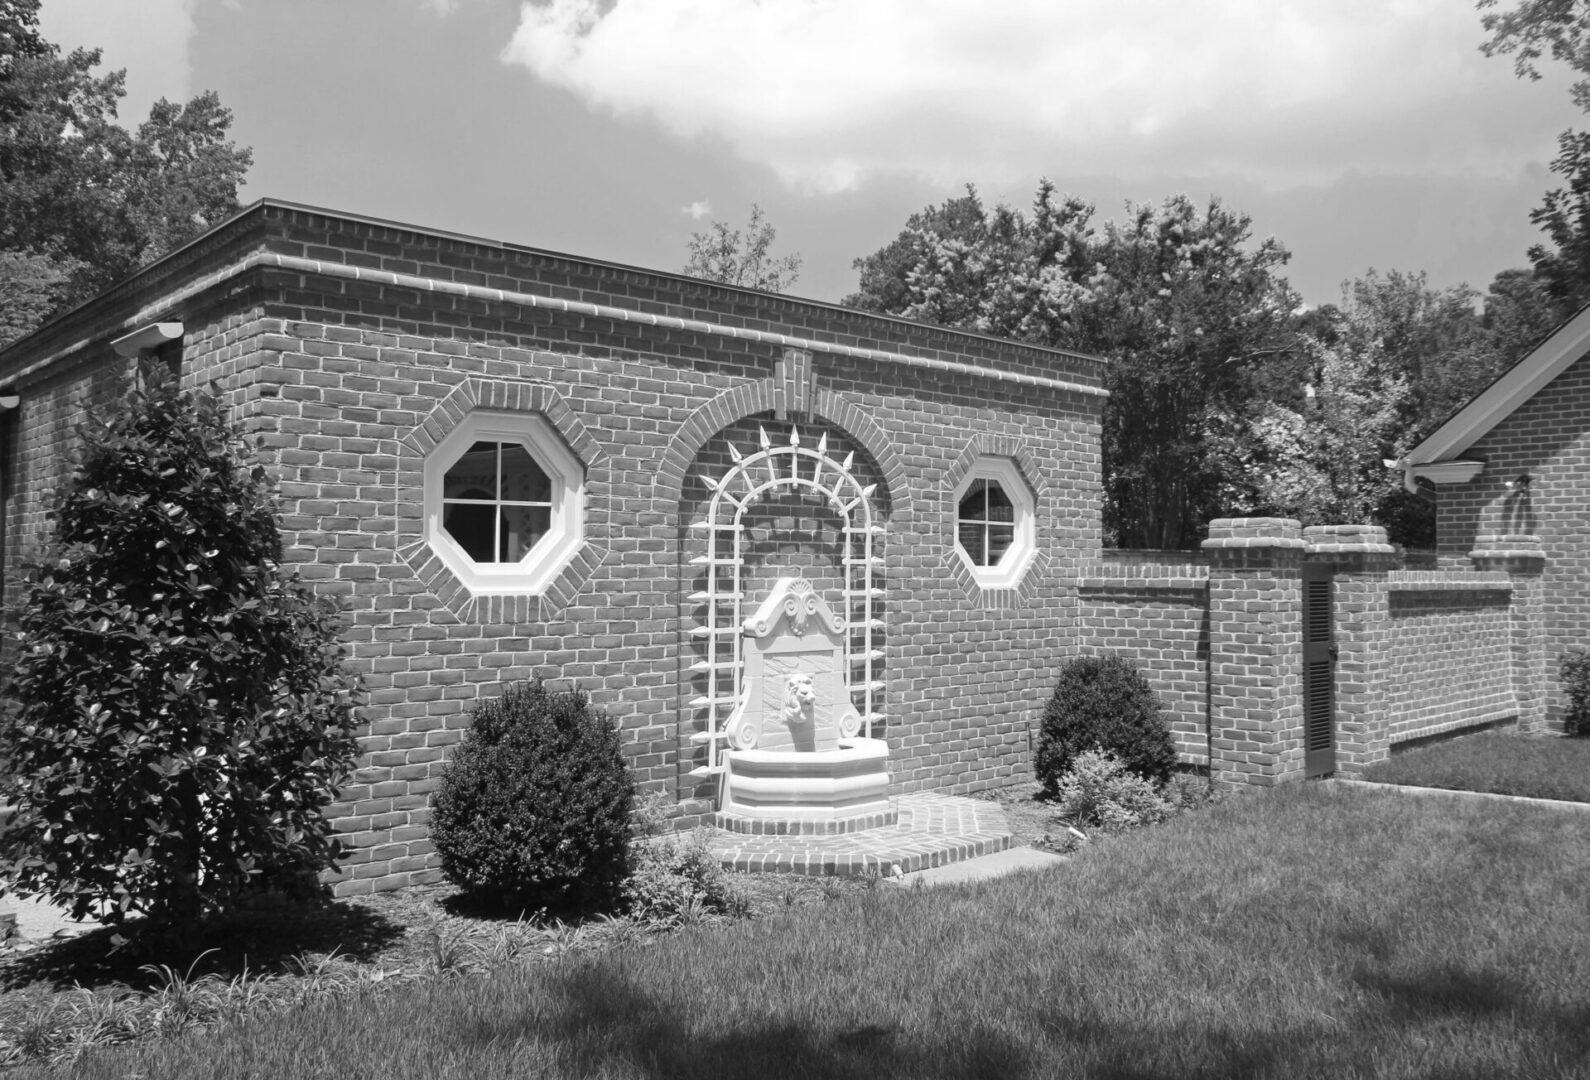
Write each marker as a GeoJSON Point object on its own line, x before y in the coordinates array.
{"type": "Point", "coordinates": [604, 1024]}
{"type": "Point", "coordinates": [1454, 992]}
{"type": "Point", "coordinates": [607, 1026]}
{"type": "Point", "coordinates": [262, 942]}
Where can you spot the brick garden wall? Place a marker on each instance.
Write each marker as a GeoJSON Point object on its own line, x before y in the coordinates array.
{"type": "Point", "coordinates": [1446, 653]}
{"type": "Point", "coordinates": [1421, 652]}
{"type": "Point", "coordinates": [1156, 616]}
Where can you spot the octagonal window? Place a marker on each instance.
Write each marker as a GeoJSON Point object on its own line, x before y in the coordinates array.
{"type": "Point", "coordinates": [994, 526]}
{"type": "Point", "coordinates": [504, 503]}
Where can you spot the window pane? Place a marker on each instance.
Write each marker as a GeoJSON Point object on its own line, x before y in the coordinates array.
{"type": "Point", "coordinates": [470, 526]}
{"type": "Point", "coordinates": [522, 479]}
{"type": "Point", "coordinates": [999, 505]}
{"type": "Point", "coordinates": [522, 526]}
{"type": "Point", "coordinates": [974, 504]}
{"type": "Point", "coordinates": [971, 540]}
{"type": "Point", "coordinates": [476, 469]}
{"type": "Point", "coordinates": [1000, 538]}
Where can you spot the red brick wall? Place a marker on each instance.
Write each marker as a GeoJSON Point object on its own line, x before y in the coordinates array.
{"type": "Point", "coordinates": [1547, 438]}
{"type": "Point", "coordinates": [1156, 616]}
{"type": "Point", "coordinates": [344, 384]}
{"type": "Point", "coordinates": [1446, 654]}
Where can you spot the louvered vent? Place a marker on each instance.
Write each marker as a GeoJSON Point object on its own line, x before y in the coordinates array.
{"type": "Point", "coordinates": [1317, 610]}
{"type": "Point", "coordinates": [1319, 705]}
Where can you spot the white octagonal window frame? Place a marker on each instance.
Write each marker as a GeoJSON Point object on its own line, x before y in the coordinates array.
{"type": "Point", "coordinates": [1006, 573]}
{"type": "Point", "coordinates": [550, 554]}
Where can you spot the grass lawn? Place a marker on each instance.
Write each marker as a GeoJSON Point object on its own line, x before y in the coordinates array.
{"type": "Point", "coordinates": [1541, 767]}
{"type": "Point", "coordinates": [1306, 932]}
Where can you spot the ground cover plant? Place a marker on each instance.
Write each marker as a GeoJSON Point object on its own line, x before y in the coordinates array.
{"type": "Point", "coordinates": [59, 998]}
{"type": "Point", "coordinates": [179, 714]}
{"type": "Point", "coordinates": [1306, 932]}
{"type": "Point", "coordinates": [1539, 767]}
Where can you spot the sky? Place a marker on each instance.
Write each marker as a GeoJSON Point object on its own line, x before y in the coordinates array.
{"type": "Point", "coordinates": [1359, 133]}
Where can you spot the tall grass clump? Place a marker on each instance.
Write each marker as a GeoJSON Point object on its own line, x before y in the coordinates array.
{"type": "Point", "coordinates": [533, 810]}
{"type": "Point", "coordinates": [1103, 703]}
{"type": "Point", "coordinates": [180, 711]}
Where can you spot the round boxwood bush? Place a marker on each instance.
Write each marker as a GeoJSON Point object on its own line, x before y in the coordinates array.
{"type": "Point", "coordinates": [533, 810]}
{"type": "Point", "coordinates": [1104, 703]}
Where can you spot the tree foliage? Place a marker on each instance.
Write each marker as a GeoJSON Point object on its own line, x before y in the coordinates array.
{"type": "Point", "coordinates": [1175, 295]}
{"type": "Point", "coordinates": [181, 714]}
{"type": "Point", "coordinates": [83, 201]}
{"type": "Point", "coordinates": [1528, 32]}
{"type": "Point", "coordinates": [736, 258]}
{"type": "Point", "coordinates": [1379, 372]}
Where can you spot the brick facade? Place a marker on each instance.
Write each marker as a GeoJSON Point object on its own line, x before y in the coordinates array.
{"type": "Point", "coordinates": [1547, 439]}
{"type": "Point", "coordinates": [351, 351]}
{"type": "Point", "coordinates": [348, 349]}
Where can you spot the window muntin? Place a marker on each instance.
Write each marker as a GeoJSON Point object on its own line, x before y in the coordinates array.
{"type": "Point", "coordinates": [995, 522]}
{"type": "Point", "coordinates": [497, 502]}
{"type": "Point", "coordinates": [986, 522]}
{"type": "Point", "coordinates": [504, 503]}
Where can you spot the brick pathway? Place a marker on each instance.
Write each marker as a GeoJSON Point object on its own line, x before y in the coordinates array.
{"type": "Point", "coordinates": [933, 830]}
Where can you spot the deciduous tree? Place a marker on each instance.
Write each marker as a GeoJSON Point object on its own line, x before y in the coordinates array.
{"type": "Point", "coordinates": [1528, 32]}
{"type": "Point", "coordinates": [83, 201]}
{"type": "Point", "coordinates": [736, 258]}
{"type": "Point", "coordinates": [1184, 306]}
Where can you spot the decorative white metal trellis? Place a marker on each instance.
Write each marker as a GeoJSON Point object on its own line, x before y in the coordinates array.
{"type": "Point", "coordinates": [749, 479]}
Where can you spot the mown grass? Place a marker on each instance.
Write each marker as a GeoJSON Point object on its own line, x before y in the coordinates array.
{"type": "Point", "coordinates": [1307, 932]}
{"type": "Point", "coordinates": [1545, 767]}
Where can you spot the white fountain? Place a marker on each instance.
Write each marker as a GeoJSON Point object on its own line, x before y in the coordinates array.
{"type": "Point", "coordinates": [796, 762]}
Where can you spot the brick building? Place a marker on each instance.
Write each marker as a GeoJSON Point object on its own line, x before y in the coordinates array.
{"type": "Point", "coordinates": [1511, 474]}
{"type": "Point", "coordinates": [506, 462]}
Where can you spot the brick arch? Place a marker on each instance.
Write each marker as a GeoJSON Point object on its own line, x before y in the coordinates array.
{"type": "Point", "coordinates": [765, 395]}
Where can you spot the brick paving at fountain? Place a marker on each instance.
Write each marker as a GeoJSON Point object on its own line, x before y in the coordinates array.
{"type": "Point", "coordinates": [932, 830]}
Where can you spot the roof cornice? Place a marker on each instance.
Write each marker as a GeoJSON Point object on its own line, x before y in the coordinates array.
{"type": "Point", "coordinates": [1503, 397]}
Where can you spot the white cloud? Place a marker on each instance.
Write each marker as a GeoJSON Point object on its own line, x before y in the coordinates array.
{"type": "Point", "coordinates": [697, 210]}
{"type": "Point", "coordinates": [147, 37]}
{"type": "Point", "coordinates": [442, 8]}
{"type": "Point", "coordinates": [828, 92]}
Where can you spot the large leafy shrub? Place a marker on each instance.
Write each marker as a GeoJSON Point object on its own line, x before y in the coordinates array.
{"type": "Point", "coordinates": [180, 715]}
{"type": "Point", "coordinates": [533, 809]}
{"type": "Point", "coordinates": [1574, 670]}
{"type": "Point", "coordinates": [1102, 702]}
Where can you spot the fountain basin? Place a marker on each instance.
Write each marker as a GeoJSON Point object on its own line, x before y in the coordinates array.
{"type": "Point", "coordinates": [826, 791]}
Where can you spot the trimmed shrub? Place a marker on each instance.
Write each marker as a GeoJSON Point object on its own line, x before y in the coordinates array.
{"type": "Point", "coordinates": [1574, 670]}
{"type": "Point", "coordinates": [1098, 790]}
{"type": "Point", "coordinates": [533, 810]}
{"type": "Point", "coordinates": [1105, 703]}
{"type": "Point", "coordinates": [180, 711]}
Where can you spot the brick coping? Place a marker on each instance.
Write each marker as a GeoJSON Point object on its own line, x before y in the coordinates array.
{"type": "Point", "coordinates": [931, 830]}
